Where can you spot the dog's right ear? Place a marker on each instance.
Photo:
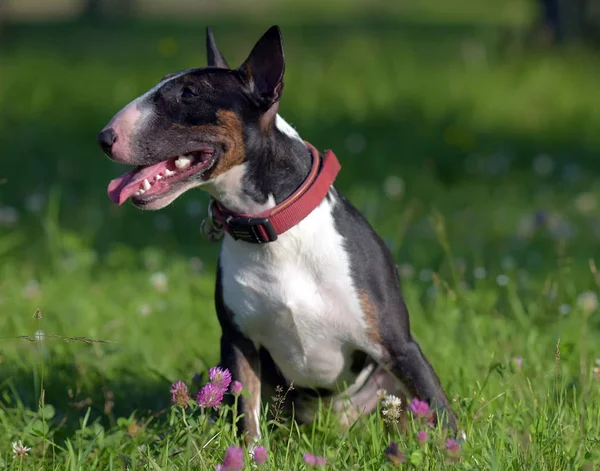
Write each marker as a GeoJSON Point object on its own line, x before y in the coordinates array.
{"type": "Point", "coordinates": [214, 56]}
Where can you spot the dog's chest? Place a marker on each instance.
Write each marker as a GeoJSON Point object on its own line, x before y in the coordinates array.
{"type": "Point", "coordinates": [296, 298]}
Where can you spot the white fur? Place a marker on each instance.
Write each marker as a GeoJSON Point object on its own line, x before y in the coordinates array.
{"type": "Point", "coordinates": [286, 128]}
{"type": "Point", "coordinates": [227, 189]}
{"type": "Point", "coordinates": [295, 297]}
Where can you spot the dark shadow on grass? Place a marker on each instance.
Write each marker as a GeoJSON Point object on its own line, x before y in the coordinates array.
{"type": "Point", "coordinates": [73, 387]}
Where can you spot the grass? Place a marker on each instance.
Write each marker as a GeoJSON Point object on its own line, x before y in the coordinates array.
{"type": "Point", "coordinates": [473, 157]}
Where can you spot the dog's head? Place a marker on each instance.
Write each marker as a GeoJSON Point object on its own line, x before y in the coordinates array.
{"type": "Point", "coordinates": [194, 125]}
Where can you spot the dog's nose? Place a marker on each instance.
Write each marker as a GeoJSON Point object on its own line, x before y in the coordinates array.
{"type": "Point", "coordinates": [106, 139]}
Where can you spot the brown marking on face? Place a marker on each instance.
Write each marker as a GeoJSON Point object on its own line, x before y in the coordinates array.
{"type": "Point", "coordinates": [371, 317]}
{"type": "Point", "coordinates": [248, 376]}
{"type": "Point", "coordinates": [229, 131]}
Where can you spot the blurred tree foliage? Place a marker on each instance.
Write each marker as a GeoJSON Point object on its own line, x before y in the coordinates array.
{"type": "Point", "coordinates": [566, 20]}
{"type": "Point", "coordinates": [97, 9]}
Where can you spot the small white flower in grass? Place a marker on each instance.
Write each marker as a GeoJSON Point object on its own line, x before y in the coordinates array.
{"type": "Point", "coordinates": [564, 309]}
{"type": "Point", "coordinates": [543, 165]}
{"type": "Point", "coordinates": [525, 226]}
{"type": "Point", "coordinates": [9, 216]}
{"type": "Point", "coordinates": [145, 310]}
{"type": "Point", "coordinates": [480, 273]}
{"type": "Point", "coordinates": [588, 301]}
{"type": "Point", "coordinates": [502, 280]}
{"type": "Point", "coordinates": [391, 408]}
{"type": "Point", "coordinates": [31, 289]}
{"type": "Point", "coordinates": [406, 270]}
{"type": "Point", "coordinates": [562, 229]}
{"type": "Point", "coordinates": [196, 265]}
{"type": "Point", "coordinates": [159, 281]}
{"type": "Point", "coordinates": [19, 449]}
{"type": "Point", "coordinates": [432, 292]}
{"type": "Point", "coordinates": [34, 203]}
{"type": "Point", "coordinates": [586, 202]}
{"type": "Point", "coordinates": [393, 187]}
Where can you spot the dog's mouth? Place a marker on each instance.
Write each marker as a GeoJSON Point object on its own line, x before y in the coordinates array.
{"type": "Point", "coordinates": [149, 182]}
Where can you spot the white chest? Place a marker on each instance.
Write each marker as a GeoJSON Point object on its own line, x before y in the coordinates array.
{"type": "Point", "coordinates": [296, 298]}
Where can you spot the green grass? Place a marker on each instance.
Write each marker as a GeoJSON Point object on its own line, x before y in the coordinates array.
{"type": "Point", "coordinates": [495, 255]}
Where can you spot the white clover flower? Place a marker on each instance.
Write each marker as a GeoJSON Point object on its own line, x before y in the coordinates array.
{"type": "Point", "coordinates": [502, 280]}
{"type": "Point", "coordinates": [159, 281]}
{"type": "Point", "coordinates": [391, 408]}
{"type": "Point", "coordinates": [588, 301]}
{"type": "Point", "coordinates": [19, 449]}
{"type": "Point", "coordinates": [480, 273]}
{"type": "Point", "coordinates": [393, 187]}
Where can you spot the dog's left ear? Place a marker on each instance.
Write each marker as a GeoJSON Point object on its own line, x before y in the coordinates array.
{"type": "Point", "coordinates": [264, 67]}
{"type": "Point", "coordinates": [213, 55]}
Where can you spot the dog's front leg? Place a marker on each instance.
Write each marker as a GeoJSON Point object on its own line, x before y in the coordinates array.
{"type": "Point", "coordinates": [239, 355]}
{"type": "Point", "coordinates": [407, 363]}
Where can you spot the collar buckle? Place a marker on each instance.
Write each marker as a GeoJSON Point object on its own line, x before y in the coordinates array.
{"type": "Point", "coordinates": [251, 229]}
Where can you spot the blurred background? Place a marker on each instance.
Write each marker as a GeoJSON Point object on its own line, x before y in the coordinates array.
{"type": "Point", "coordinates": [468, 133]}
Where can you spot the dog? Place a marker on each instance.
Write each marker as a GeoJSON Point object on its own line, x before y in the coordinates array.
{"type": "Point", "coordinates": [306, 292]}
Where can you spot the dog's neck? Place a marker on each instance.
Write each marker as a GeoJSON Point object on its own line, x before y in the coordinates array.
{"type": "Point", "coordinates": [276, 165]}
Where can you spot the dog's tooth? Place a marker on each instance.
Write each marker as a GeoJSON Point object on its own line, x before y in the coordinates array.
{"type": "Point", "coordinates": [137, 193]}
{"type": "Point", "coordinates": [182, 161]}
{"type": "Point", "coordinates": [158, 177]}
{"type": "Point", "coordinates": [168, 172]}
{"type": "Point", "coordinates": [146, 184]}
{"type": "Point", "coordinates": [141, 192]}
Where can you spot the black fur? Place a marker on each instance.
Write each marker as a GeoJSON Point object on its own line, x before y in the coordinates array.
{"type": "Point", "coordinates": [277, 164]}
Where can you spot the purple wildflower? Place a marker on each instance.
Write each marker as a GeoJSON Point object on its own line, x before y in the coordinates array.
{"type": "Point", "coordinates": [233, 461]}
{"type": "Point", "coordinates": [422, 437]}
{"type": "Point", "coordinates": [260, 455]}
{"type": "Point", "coordinates": [419, 408]}
{"type": "Point", "coordinates": [313, 460]}
{"type": "Point", "coordinates": [221, 377]}
{"type": "Point", "coordinates": [210, 395]}
{"type": "Point", "coordinates": [452, 446]}
{"type": "Point", "coordinates": [394, 454]}
{"type": "Point", "coordinates": [180, 395]}
{"type": "Point", "coordinates": [236, 388]}
{"type": "Point", "coordinates": [518, 363]}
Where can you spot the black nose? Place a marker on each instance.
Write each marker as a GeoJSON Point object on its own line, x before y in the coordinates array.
{"type": "Point", "coordinates": [106, 139]}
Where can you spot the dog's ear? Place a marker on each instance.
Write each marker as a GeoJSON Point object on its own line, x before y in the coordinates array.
{"type": "Point", "coordinates": [214, 56]}
{"type": "Point", "coordinates": [264, 67]}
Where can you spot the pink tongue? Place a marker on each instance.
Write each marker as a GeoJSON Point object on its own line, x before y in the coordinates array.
{"type": "Point", "coordinates": [123, 187]}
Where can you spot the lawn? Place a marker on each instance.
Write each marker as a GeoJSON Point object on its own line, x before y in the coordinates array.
{"type": "Point", "coordinates": [474, 157]}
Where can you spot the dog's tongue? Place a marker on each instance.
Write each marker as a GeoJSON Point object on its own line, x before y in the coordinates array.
{"type": "Point", "coordinates": [123, 187]}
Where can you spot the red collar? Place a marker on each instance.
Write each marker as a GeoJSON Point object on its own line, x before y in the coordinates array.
{"type": "Point", "coordinates": [268, 225]}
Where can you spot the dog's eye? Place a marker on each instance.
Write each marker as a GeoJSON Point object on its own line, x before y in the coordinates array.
{"type": "Point", "coordinates": [187, 93]}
